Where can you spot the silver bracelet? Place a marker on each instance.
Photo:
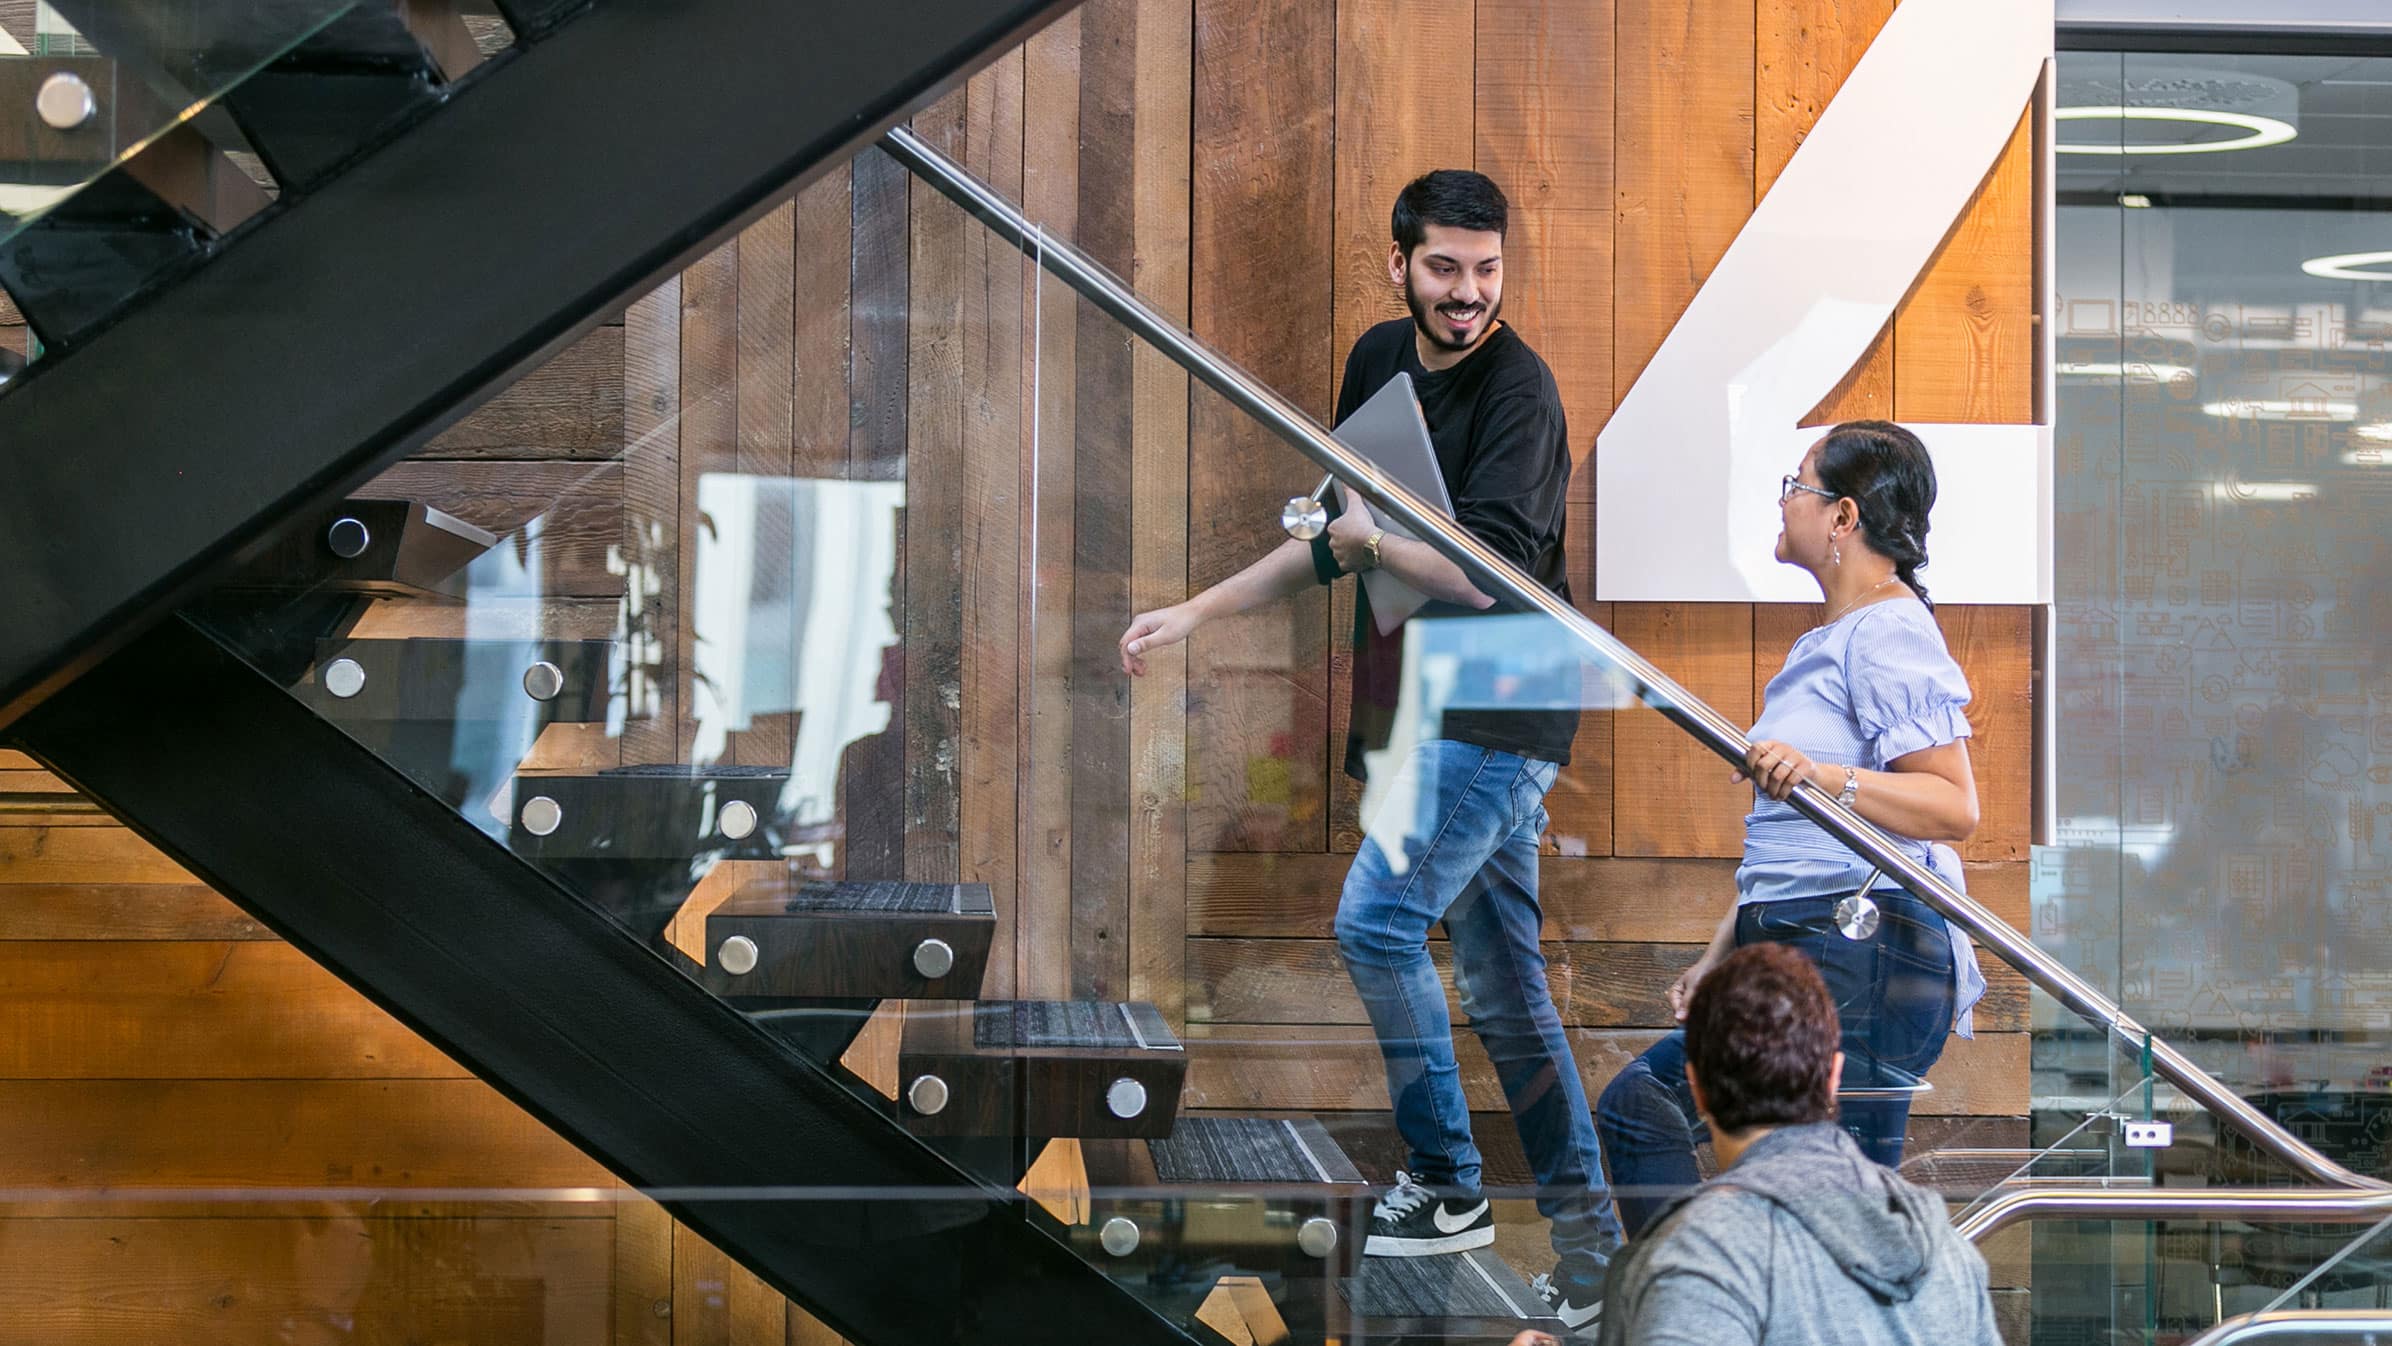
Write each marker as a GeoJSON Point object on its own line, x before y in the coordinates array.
{"type": "Point", "coordinates": [1851, 787]}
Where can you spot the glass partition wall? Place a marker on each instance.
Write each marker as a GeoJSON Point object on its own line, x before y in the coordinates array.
{"type": "Point", "coordinates": [2222, 661]}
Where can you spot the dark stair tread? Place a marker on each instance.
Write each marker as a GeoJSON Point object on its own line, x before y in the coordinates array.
{"type": "Point", "coordinates": [798, 937]}
{"type": "Point", "coordinates": [449, 680]}
{"type": "Point", "coordinates": [669, 815]}
{"type": "Point", "coordinates": [1016, 1025]}
{"type": "Point", "coordinates": [411, 550]}
{"type": "Point", "coordinates": [683, 771]}
{"type": "Point", "coordinates": [1286, 1151]}
{"type": "Point", "coordinates": [1459, 1289]}
{"type": "Point", "coordinates": [1042, 1073]}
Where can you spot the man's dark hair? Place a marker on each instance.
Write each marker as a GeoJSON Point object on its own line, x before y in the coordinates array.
{"type": "Point", "coordinates": [1761, 1036]}
{"type": "Point", "coordinates": [1454, 197]}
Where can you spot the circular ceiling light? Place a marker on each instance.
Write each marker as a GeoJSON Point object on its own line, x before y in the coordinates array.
{"type": "Point", "coordinates": [2347, 266]}
{"type": "Point", "coordinates": [2263, 131]}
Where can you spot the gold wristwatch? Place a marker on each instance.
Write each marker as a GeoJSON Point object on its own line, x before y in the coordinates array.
{"type": "Point", "coordinates": [1371, 545]}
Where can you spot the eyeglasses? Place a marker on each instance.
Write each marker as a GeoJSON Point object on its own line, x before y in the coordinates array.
{"type": "Point", "coordinates": [1787, 486]}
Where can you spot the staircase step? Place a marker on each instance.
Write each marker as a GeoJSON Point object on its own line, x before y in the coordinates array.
{"type": "Point", "coordinates": [1273, 1196]}
{"type": "Point", "coordinates": [1969, 1172]}
{"type": "Point", "coordinates": [873, 940]}
{"type": "Point", "coordinates": [132, 228]}
{"type": "Point", "coordinates": [376, 548]}
{"type": "Point", "coordinates": [1470, 1296]}
{"type": "Point", "coordinates": [662, 813]}
{"type": "Point", "coordinates": [447, 681]}
{"type": "Point", "coordinates": [1038, 1068]}
{"type": "Point", "coordinates": [1275, 1151]}
{"type": "Point", "coordinates": [340, 91]}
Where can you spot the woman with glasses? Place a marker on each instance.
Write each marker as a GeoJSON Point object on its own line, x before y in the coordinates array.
{"type": "Point", "coordinates": [1869, 708]}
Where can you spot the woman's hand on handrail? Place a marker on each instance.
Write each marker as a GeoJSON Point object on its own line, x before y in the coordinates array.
{"type": "Point", "coordinates": [1929, 795]}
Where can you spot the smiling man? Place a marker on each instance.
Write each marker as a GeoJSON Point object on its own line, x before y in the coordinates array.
{"type": "Point", "coordinates": [1454, 833]}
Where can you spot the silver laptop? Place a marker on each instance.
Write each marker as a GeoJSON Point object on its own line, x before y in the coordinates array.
{"type": "Point", "coordinates": [1388, 430]}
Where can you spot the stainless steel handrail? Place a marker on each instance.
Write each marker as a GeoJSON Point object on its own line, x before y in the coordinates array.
{"type": "Point", "coordinates": [1497, 576]}
{"type": "Point", "coordinates": [2307, 1204]}
{"type": "Point", "coordinates": [2289, 1323]}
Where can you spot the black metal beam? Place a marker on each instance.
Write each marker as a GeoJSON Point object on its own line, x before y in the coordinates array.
{"type": "Point", "coordinates": [540, 995]}
{"type": "Point", "coordinates": [358, 322]}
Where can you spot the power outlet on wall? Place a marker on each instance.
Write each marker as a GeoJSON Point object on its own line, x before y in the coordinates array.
{"type": "Point", "coordinates": [2150, 1135]}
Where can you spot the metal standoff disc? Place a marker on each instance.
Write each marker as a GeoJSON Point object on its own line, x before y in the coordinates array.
{"type": "Point", "coordinates": [1304, 518]}
{"type": "Point", "coordinates": [1125, 1098]}
{"type": "Point", "coordinates": [543, 680]}
{"type": "Point", "coordinates": [927, 1095]}
{"type": "Point", "coordinates": [737, 820]}
{"type": "Point", "coordinates": [1317, 1237]}
{"type": "Point", "coordinates": [737, 955]}
{"type": "Point", "coordinates": [344, 678]}
{"type": "Point", "coordinates": [542, 815]}
{"type": "Point", "coordinates": [1119, 1236]}
{"type": "Point", "coordinates": [934, 958]}
{"type": "Point", "coordinates": [348, 537]}
{"type": "Point", "coordinates": [1857, 916]}
{"type": "Point", "coordinates": [64, 102]}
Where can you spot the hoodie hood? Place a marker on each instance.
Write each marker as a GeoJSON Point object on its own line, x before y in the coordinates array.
{"type": "Point", "coordinates": [1878, 1229]}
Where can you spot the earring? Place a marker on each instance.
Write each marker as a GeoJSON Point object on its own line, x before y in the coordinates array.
{"type": "Point", "coordinates": [1835, 549]}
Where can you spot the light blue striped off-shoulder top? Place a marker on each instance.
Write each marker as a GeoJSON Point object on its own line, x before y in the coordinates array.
{"type": "Point", "coordinates": [1873, 686]}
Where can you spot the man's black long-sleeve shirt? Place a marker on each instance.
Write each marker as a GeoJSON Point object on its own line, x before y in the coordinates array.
{"type": "Point", "coordinates": [1503, 446]}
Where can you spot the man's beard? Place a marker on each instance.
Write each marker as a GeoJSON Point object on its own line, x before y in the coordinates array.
{"type": "Point", "coordinates": [1427, 323]}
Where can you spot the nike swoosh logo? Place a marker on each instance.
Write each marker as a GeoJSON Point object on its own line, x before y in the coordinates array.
{"type": "Point", "coordinates": [1455, 1224]}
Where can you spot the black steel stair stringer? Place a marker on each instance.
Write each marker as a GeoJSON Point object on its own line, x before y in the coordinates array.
{"type": "Point", "coordinates": [352, 325]}
{"type": "Point", "coordinates": [556, 1006]}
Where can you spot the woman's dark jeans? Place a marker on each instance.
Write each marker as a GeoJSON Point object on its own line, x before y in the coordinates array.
{"type": "Point", "coordinates": [1894, 994]}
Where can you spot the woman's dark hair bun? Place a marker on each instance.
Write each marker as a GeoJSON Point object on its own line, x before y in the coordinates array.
{"type": "Point", "coordinates": [1883, 468]}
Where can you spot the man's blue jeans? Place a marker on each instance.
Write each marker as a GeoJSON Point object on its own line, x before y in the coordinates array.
{"type": "Point", "coordinates": [1454, 839]}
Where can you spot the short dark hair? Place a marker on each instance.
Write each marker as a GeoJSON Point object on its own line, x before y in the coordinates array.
{"type": "Point", "coordinates": [1454, 197]}
{"type": "Point", "coordinates": [1761, 1036]}
{"type": "Point", "coordinates": [1887, 471]}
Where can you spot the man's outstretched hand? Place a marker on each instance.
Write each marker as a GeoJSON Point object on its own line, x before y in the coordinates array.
{"type": "Point", "coordinates": [1151, 631]}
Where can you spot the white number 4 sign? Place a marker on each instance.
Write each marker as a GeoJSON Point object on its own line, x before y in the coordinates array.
{"type": "Point", "coordinates": [1687, 469]}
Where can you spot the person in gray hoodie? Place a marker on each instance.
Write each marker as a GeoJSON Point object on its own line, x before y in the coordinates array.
{"type": "Point", "coordinates": [1800, 1238]}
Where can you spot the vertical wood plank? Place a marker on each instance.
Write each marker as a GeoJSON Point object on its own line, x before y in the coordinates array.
{"type": "Point", "coordinates": [766, 401]}
{"type": "Point", "coordinates": [1685, 160]}
{"type": "Point", "coordinates": [1803, 51]}
{"type": "Point", "coordinates": [643, 1272]}
{"type": "Point", "coordinates": [1390, 130]}
{"type": "Point", "coordinates": [1545, 135]}
{"type": "Point", "coordinates": [934, 516]}
{"type": "Point", "coordinates": [651, 526]}
{"type": "Point", "coordinates": [992, 469]}
{"type": "Point", "coordinates": [1580, 804]}
{"type": "Point", "coordinates": [1103, 424]}
{"type": "Point", "coordinates": [1050, 193]}
{"type": "Point", "coordinates": [709, 444]}
{"type": "Point", "coordinates": [823, 319]}
{"type": "Point", "coordinates": [1260, 754]}
{"type": "Point", "coordinates": [807, 1330]}
{"type": "Point", "coordinates": [1671, 796]}
{"type": "Point", "coordinates": [1388, 133]}
{"type": "Point", "coordinates": [872, 772]}
{"type": "Point", "coordinates": [1965, 345]}
{"type": "Point", "coordinates": [1164, 60]}
{"type": "Point", "coordinates": [717, 1302]}
{"type": "Point", "coordinates": [1994, 646]}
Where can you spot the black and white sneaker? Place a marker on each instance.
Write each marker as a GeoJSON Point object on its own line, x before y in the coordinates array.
{"type": "Point", "coordinates": [1413, 1221]}
{"type": "Point", "coordinates": [1578, 1303]}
